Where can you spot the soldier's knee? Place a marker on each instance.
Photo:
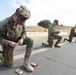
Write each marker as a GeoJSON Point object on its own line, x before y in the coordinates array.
{"type": "Point", "coordinates": [31, 40]}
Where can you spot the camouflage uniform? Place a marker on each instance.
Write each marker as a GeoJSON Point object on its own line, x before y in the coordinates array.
{"type": "Point", "coordinates": [71, 35]}
{"type": "Point", "coordinates": [52, 34]}
{"type": "Point", "coordinates": [9, 31]}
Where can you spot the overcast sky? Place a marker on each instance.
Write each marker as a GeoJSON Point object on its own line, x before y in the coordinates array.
{"type": "Point", "coordinates": [63, 10]}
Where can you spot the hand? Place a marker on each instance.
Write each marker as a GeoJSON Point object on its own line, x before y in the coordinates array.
{"type": "Point", "coordinates": [13, 44]}
{"type": "Point", "coordinates": [58, 32]}
{"type": "Point", "coordinates": [20, 41]}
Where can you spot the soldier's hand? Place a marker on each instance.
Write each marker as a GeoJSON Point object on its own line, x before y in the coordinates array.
{"type": "Point", "coordinates": [13, 44]}
{"type": "Point", "coordinates": [58, 32]}
{"type": "Point", "coordinates": [20, 41]}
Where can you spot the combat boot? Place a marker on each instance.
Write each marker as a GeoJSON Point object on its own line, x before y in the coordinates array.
{"type": "Point", "coordinates": [57, 46]}
{"type": "Point", "coordinates": [64, 40]}
{"type": "Point", "coordinates": [27, 66]}
{"type": "Point", "coordinates": [43, 43]}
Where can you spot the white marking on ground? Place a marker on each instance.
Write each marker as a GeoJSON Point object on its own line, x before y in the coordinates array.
{"type": "Point", "coordinates": [34, 52]}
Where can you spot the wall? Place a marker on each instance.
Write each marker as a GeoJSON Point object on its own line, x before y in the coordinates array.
{"type": "Point", "coordinates": [43, 33]}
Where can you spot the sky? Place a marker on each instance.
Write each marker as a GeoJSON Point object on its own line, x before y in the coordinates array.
{"type": "Point", "coordinates": [62, 10]}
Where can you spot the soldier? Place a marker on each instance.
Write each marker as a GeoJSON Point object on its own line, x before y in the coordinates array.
{"type": "Point", "coordinates": [71, 35]}
{"type": "Point", "coordinates": [13, 33]}
{"type": "Point", "coordinates": [52, 34]}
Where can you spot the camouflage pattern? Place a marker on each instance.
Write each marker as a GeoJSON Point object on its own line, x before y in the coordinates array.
{"type": "Point", "coordinates": [22, 13]}
{"type": "Point", "coordinates": [50, 37]}
{"type": "Point", "coordinates": [9, 31]}
{"type": "Point", "coordinates": [52, 34]}
{"type": "Point", "coordinates": [8, 55]}
{"type": "Point", "coordinates": [72, 34]}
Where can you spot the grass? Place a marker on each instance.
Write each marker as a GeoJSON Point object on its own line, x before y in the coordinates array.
{"type": "Point", "coordinates": [35, 29]}
{"type": "Point", "coordinates": [40, 29]}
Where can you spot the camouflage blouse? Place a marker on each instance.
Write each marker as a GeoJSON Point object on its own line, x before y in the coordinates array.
{"type": "Point", "coordinates": [10, 31]}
